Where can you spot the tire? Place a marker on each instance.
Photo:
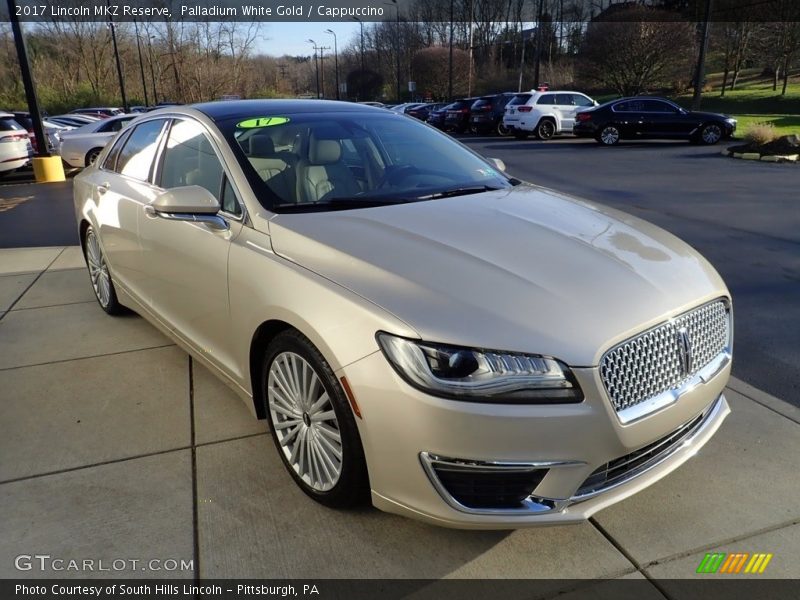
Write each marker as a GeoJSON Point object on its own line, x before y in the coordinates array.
{"type": "Point", "coordinates": [710, 134]}
{"type": "Point", "coordinates": [91, 156]}
{"type": "Point", "coordinates": [609, 135]}
{"type": "Point", "coordinates": [99, 275]}
{"type": "Point", "coordinates": [546, 129]}
{"type": "Point", "coordinates": [502, 130]}
{"type": "Point", "coordinates": [290, 361]}
{"type": "Point", "coordinates": [521, 135]}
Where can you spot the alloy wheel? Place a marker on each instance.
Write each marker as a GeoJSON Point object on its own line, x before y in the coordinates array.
{"type": "Point", "coordinates": [502, 129]}
{"type": "Point", "coordinates": [610, 135]}
{"type": "Point", "coordinates": [711, 134]}
{"type": "Point", "coordinates": [304, 420]}
{"type": "Point", "coordinates": [98, 270]}
{"type": "Point", "coordinates": [91, 158]}
{"type": "Point", "coordinates": [546, 130]}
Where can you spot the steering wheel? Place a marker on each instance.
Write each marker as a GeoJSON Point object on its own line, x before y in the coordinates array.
{"type": "Point", "coordinates": [394, 174]}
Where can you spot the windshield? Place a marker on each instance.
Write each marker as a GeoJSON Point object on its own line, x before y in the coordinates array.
{"type": "Point", "coordinates": [335, 161]}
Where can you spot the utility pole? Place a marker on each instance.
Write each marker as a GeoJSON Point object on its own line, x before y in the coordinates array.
{"type": "Point", "coordinates": [522, 64]}
{"type": "Point", "coordinates": [141, 64]}
{"type": "Point", "coordinates": [397, 43]}
{"type": "Point", "coordinates": [152, 70]}
{"type": "Point", "coordinates": [116, 58]}
{"type": "Point", "coordinates": [471, 21]}
{"type": "Point", "coordinates": [700, 72]}
{"type": "Point", "coordinates": [538, 46]}
{"type": "Point", "coordinates": [27, 80]}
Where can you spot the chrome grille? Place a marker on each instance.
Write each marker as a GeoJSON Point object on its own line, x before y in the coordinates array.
{"type": "Point", "coordinates": [654, 362]}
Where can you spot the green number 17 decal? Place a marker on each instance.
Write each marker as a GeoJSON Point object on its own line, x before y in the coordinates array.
{"type": "Point", "coordinates": [262, 122]}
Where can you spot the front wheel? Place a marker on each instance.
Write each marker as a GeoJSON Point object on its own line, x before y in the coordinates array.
{"type": "Point", "coordinates": [91, 156]}
{"type": "Point", "coordinates": [710, 134]}
{"type": "Point", "coordinates": [98, 272]}
{"type": "Point", "coordinates": [312, 423]}
{"type": "Point", "coordinates": [502, 129]}
{"type": "Point", "coordinates": [609, 135]}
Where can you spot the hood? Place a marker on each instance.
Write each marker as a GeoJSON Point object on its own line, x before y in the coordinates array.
{"type": "Point", "coordinates": [524, 269]}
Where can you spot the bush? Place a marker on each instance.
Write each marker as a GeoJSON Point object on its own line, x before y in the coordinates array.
{"type": "Point", "coordinates": [760, 134]}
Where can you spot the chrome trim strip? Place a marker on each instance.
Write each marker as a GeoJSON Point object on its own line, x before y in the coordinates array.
{"type": "Point", "coordinates": [532, 504]}
{"type": "Point", "coordinates": [710, 417]}
{"type": "Point", "coordinates": [664, 399]}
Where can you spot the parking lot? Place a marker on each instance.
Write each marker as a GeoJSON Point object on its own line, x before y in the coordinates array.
{"type": "Point", "coordinates": [115, 444]}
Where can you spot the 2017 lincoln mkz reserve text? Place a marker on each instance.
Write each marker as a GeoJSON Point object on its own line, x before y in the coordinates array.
{"type": "Point", "coordinates": [416, 326]}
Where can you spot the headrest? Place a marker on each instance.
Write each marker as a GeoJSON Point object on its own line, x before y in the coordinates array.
{"type": "Point", "coordinates": [261, 145]}
{"type": "Point", "coordinates": [324, 152]}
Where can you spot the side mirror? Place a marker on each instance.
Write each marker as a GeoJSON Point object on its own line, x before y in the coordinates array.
{"type": "Point", "coordinates": [188, 203]}
{"type": "Point", "coordinates": [190, 199]}
{"type": "Point", "coordinates": [498, 164]}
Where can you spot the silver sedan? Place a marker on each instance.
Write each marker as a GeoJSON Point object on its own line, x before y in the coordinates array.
{"type": "Point", "coordinates": [419, 329]}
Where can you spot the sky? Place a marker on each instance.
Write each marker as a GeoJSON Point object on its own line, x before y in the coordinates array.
{"type": "Point", "coordinates": [278, 39]}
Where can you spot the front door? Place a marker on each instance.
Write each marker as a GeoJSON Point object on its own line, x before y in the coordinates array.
{"type": "Point", "coordinates": [187, 261]}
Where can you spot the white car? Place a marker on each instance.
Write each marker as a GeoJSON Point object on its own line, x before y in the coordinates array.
{"type": "Point", "coordinates": [15, 146]}
{"type": "Point", "coordinates": [544, 114]}
{"type": "Point", "coordinates": [80, 147]}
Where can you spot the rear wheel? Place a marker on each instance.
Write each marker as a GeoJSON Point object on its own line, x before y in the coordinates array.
{"type": "Point", "coordinates": [546, 129]}
{"type": "Point", "coordinates": [98, 272]}
{"type": "Point", "coordinates": [710, 134]}
{"type": "Point", "coordinates": [502, 129]}
{"type": "Point", "coordinates": [312, 423]}
{"type": "Point", "coordinates": [609, 135]}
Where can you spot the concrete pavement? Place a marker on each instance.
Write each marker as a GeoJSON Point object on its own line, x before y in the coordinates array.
{"type": "Point", "coordinates": [114, 444]}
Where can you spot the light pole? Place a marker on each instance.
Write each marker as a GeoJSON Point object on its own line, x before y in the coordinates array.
{"type": "Point", "coordinates": [450, 59]}
{"type": "Point", "coordinates": [539, 16]}
{"type": "Point", "coordinates": [141, 64]}
{"type": "Point", "coordinates": [396, 42]}
{"type": "Point", "coordinates": [152, 70]}
{"type": "Point", "coordinates": [522, 64]}
{"type": "Point", "coordinates": [361, 78]}
{"type": "Point", "coordinates": [335, 58]}
{"type": "Point", "coordinates": [316, 65]}
{"type": "Point", "coordinates": [701, 62]}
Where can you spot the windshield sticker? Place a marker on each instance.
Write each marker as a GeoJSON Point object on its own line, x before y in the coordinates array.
{"type": "Point", "coordinates": [486, 172]}
{"type": "Point", "coordinates": [262, 122]}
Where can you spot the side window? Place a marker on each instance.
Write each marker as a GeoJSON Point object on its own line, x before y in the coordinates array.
{"type": "Point", "coordinates": [229, 202]}
{"type": "Point", "coordinates": [621, 107]}
{"type": "Point", "coordinates": [547, 99]}
{"type": "Point", "coordinates": [136, 157]}
{"type": "Point", "coordinates": [189, 159]}
{"type": "Point", "coordinates": [582, 100]}
{"type": "Point", "coordinates": [110, 164]}
{"type": "Point", "coordinates": [564, 100]}
{"type": "Point", "coordinates": [658, 106]}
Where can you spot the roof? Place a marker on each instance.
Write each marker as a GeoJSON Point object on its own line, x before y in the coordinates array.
{"type": "Point", "coordinates": [230, 109]}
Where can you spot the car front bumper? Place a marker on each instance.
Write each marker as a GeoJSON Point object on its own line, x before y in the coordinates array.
{"type": "Point", "coordinates": [404, 431]}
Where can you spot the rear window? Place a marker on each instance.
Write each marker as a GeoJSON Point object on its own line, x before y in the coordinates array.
{"type": "Point", "coordinates": [9, 124]}
{"type": "Point", "coordinates": [519, 99]}
{"type": "Point", "coordinates": [483, 102]}
{"type": "Point", "coordinates": [460, 104]}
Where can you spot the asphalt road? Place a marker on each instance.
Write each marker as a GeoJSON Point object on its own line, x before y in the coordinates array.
{"type": "Point", "coordinates": [743, 216]}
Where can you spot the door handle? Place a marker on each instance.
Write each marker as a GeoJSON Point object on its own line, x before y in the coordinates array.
{"type": "Point", "coordinates": [103, 187]}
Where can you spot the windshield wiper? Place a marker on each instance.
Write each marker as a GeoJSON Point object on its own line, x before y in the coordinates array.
{"type": "Point", "coordinates": [340, 204]}
{"type": "Point", "coordinates": [459, 191]}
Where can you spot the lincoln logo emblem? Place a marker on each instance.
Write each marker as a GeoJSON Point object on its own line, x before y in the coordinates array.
{"type": "Point", "coordinates": [685, 350]}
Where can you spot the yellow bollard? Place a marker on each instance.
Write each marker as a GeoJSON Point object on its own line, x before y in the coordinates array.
{"type": "Point", "coordinates": [48, 168]}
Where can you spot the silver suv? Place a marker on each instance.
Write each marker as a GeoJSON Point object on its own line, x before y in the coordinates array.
{"type": "Point", "coordinates": [544, 113]}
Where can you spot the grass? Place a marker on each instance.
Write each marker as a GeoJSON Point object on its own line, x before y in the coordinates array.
{"type": "Point", "coordinates": [754, 101]}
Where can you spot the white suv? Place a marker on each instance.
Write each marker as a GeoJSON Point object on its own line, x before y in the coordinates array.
{"type": "Point", "coordinates": [544, 113]}
{"type": "Point", "coordinates": [15, 147]}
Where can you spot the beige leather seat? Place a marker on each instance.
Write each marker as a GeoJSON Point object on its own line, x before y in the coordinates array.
{"type": "Point", "coordinates": [323, 175]}
{"type": "Point", "coordinates": [275, 169]}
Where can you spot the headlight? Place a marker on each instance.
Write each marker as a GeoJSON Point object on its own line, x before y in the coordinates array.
{"type": "Point", "coordinates": [479, 375]}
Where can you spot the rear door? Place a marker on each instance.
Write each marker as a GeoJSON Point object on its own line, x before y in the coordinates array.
{"type": "Point", "coordinates": [566, 109]}
{"type": "Point", "coordinates": [122, 188]}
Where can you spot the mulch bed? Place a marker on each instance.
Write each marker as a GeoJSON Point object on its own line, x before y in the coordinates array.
{"type": "Point", "coordinates": [783, 146]}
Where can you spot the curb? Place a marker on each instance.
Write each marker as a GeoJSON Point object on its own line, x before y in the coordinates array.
{"type": "Point", "coordinates": [793, 158]}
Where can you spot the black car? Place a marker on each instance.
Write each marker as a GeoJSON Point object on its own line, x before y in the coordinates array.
{"type": "Point", "coordinates": [651, 118]}
{"type": "Point", "coordinates": [421, 112]}
{"type": "Point", "coordinates": [486, 113]}
{"type": "Point", "coordinates": [436, 117]}
{"type": "Point", "coordinates": [457, 116]}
